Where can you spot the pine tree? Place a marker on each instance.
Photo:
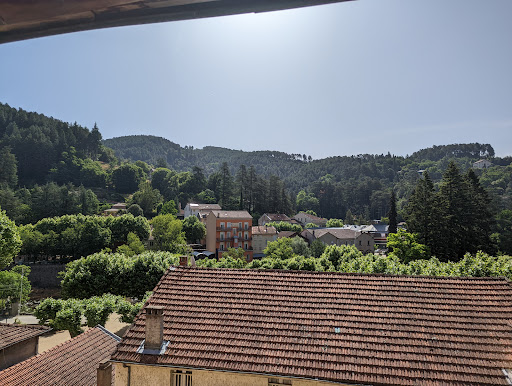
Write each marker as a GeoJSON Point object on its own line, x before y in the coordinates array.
{"type": "Point", "coordinates": [420, 211]}
{"type": "Point", "coordinates": [226, 187]}
{"type": "Point", "coordinates": [393, 225]}
{"type": "Point", "coordinates": [349, 217]}
{"type": "Point", "coordinates": [241, 179]}
{"type": "Point", "coordinates": [454, 204]}
{"type": "Point", "coordinates": [480, 216]}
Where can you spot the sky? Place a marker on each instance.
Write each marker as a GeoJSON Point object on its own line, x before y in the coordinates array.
{"type": "Point", "coordinates": [368, 76]}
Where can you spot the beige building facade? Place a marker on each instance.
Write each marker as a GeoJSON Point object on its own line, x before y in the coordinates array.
{"type": "Point", "coordinates": [135, 374]}
{"type": "Point", "coordinates": [261, 236]}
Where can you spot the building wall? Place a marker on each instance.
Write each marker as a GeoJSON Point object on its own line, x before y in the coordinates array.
{"type": "Point", "coordinates": [218, 228]}
{"type": "Point", "coordinates": [18, 352]}
{"type": "Point", "coordinates": [45, 275]}
{"type": "Point", "coordinates": [364, 242]}
{"type": "Point", "coordinates": [263, 220]}
{"type": "Point", "coordinates": [304, 218]}
{"type": "Point", "coordinates": [482, 165]}
{"type": "Point", "coordinates": [211, 232]}
{"type": "Point", "coordinates": [330, 239]}
{"type": "Point", "coordinates": [162, 376]}
{"type": "Point", "coordinates": [259, 242]}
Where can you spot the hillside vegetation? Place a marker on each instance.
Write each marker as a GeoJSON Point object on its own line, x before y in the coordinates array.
{"type": "Point", "coordinates": [52, 168]}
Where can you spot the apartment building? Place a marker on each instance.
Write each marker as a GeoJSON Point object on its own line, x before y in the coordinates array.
{"type": "Point", "coordinates": [229, 229]}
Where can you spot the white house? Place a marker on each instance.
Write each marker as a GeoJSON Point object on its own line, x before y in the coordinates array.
{"type": "Point", "coordinates": [482, 164]}
{"type": "Point", "coordinates": [192, 209]}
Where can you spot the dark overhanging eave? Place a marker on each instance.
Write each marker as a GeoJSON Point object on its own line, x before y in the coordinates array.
{"type": "Point", "coordinates": [117, 16]}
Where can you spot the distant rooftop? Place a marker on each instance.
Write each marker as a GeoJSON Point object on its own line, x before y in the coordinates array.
{"type": "Point", "coordinates": [204, 206]}
{"type": "Point", "coordinates": [11, 334]}
{"type": "Point", "coordinates": [231, 214]}
{"type": "Point", "coordinates": [277, 217]}
{"type": "Point", "coordinates": [264, 230]}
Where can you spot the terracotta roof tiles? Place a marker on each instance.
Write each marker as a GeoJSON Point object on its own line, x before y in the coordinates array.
{"type": "Point", "coordinates": [74, 362]}
{"type": "Point", "coordinates": [277, 217]}
{"type": "Point", "coordinates": [11, 334]}
{"type": "Point", "coordinates": [264, 230]}
{"type": "Point", "coordinates": [352, 328]}
{"type": "Point", "coordinates": [229, 214]}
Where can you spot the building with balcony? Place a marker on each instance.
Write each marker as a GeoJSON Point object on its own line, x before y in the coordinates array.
{"type": "Point", "coordinates": [229, 229]}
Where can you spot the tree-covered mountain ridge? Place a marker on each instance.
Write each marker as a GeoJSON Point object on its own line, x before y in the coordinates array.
{"type": "Point", "coordinates": [297, 170]}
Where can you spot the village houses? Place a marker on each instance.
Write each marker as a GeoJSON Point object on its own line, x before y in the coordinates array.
{"type": "Point", "coordinates": [305, 218]}
{"type": "Point", "coordinates": [363, 241]}
{"type": "Point", "coordinates": [273, 217]}
{"type": "Point", "coordinates": [199, 210]}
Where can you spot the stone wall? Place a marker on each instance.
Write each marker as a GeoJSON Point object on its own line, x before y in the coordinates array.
{"type": "Point", "coordinates": [45, 275]}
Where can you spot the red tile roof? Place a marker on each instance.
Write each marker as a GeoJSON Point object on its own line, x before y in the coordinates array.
{"type": "Point", "coordinates": [74, 362]}
{"type": "Point", "coordinates": [11, 334]}
{"type": "Point", "coordinates": [229, 214]}
{"type": "Point", "coordinates": [351, 328]}
{"type": "Point", "coordinates": [312, 218]}
{"type": "Point", "coordinates": [282, 234]}
{"type": "Point", "coordinates": [339, 233]}
{"type": "Point", "coordinates": [263, 230]}
{"type": "Point", "coordinates": [277, 217]}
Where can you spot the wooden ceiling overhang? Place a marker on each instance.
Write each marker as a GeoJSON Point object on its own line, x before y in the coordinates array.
{"type": "Point", "coordinates": [26, 19]}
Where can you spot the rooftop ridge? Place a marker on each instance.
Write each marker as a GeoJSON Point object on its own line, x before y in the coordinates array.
{"type": "Point", "coordinates": [348, 274]}
{"type": "Point", "coordinates": [109, 333]}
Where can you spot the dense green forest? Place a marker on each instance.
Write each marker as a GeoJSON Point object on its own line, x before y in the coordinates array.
{"type": "Point", "coordinates": [52, 168]}
{"type": "Point", "coordinates": [333, 186]}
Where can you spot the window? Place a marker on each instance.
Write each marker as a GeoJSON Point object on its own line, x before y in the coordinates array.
{"type": "Point", "coordinates": [246, 225]}
{"type": "Point", "coordinates": [229, 225]}
{"type": "Point", "coordinates": [228, 245]}
{"type": "Point", "coordinates": [368, 242]}
{"type": "Point", "coordinates": [240, 225]}
{"type": "Point", "coordinates": [228, 235]}
{"type": "Point", "coordinates": [245, 246]}
{"type": "Point", "coordinates": [359, 242]}
{"type": "Point", "coordinates": [222, 236]}
{"type": "Point", "coordinates": [278, 381]}
{"type": "Point", "coordinates": [182, 378]}
{"type": "Point", "coordinates": [221, 225]}
{"type": "Point", "coordinates": [246, 236]}
{"type": "Point", "coordinates": [240, 234]}
{"type": "Point", "coordinates": [222, 247]}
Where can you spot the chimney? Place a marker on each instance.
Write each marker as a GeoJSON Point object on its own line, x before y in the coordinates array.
{"type": "Point", "coordinates": [104, 373]}
{"type": "Point", "coordinates": [154, 333]}
{"type": "Point", "coordinates": [183, 261]}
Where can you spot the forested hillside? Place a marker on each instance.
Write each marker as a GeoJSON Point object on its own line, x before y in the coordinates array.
{"type": "Point", "coordinates": [360, 184]}
{"type": "Point", "coordinates": [53, 168]}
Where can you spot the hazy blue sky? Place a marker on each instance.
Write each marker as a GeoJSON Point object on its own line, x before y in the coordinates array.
{"type": "Point", "coordinates": [368, 76]}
